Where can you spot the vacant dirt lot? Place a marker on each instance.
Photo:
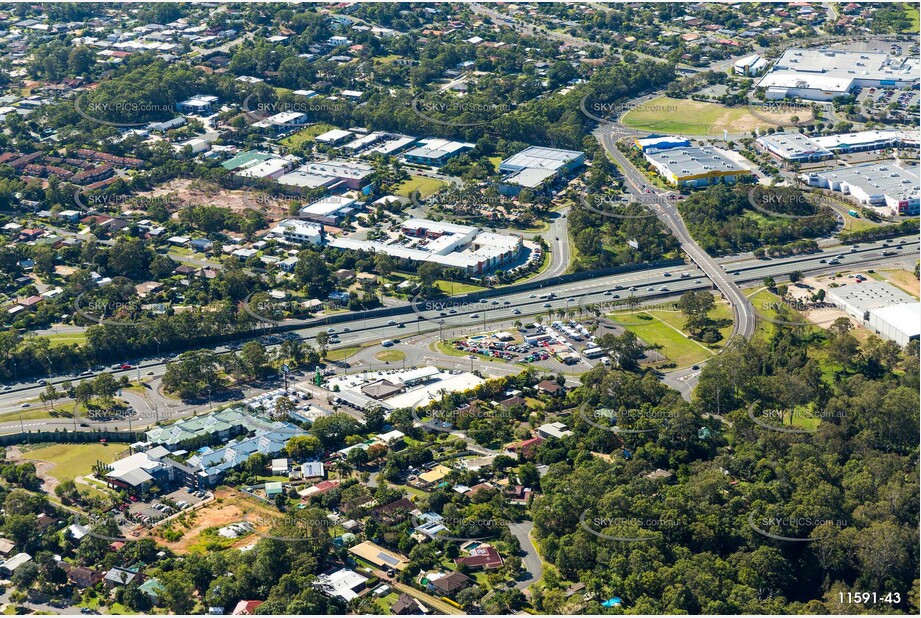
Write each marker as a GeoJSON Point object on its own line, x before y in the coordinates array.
{"type": "Point", "coordinates": [181, 193]}
{"type": "Point", "coordinates": [229, 506]}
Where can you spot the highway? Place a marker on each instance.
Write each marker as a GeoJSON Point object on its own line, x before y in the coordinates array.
{"type": "Point", "coordinates": [610, 292]}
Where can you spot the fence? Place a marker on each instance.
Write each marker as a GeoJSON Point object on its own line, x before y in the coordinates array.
{"type": "Point", "coordinates": [75, 437]}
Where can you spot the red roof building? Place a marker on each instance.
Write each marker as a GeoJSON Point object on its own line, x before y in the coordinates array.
{"type": "Point", "coordinates": [482, 557]}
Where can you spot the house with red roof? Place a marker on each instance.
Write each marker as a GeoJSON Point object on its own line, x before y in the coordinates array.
{"type": "Point", "coordinates": [481, 557]}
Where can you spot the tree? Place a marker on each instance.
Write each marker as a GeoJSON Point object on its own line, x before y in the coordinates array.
{"type": "Point", "coordinates": [322, 342]}
{"type": "Point", "coordinates": [283, 408]}
{"type": "Point", "coordinates": [301, 448]}
{"type": "Point", "coordinates": [253, 359]}
{"type": "Point", "coordinates": [796, 276]}
{"type": "Point", "coordinates": [333, 429]}
{"type": "Point", "coordinates": [384, 264]}
{"type": "Point", "coordinates": [428, 274]}
{"type": "Point", "coordinates": [105, 387]}
{"type": "Point", "coordinates": [626, 349]}
{"type": "Point", "coordinates": [177, 592]}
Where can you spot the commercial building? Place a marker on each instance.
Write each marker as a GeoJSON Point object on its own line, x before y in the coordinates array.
{"type": "Point", "coordinates": [886, 185]}
{"type": "Point", "coordinates": [794, 147]}
{"type": "Point", "coordinates": [274, 168]}
{"type": "Point", "coordinates": [282, 121]}
{"type": "Point", "coordinates": [823, 74]}
{"type": "Point", "coordinates": [661, 142]}
{"type": "Point", "coordinates": [695, 166]}
{"type": "Point", "coordinates": [750, 65]}
{"type": "Point", "coordinates": [863, 141]}
{"type": "Point", "coordinates": [436, 152]}
{"type": "Point", "coordinates": [450, 245]}
{"type": "Point", "coordinates": [299, 232]}
{"type": "Point", "coordinates": [329, 210]}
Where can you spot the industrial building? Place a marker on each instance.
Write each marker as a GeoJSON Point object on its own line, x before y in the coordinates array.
{"type": "Point", "coordinates": [536, 168]}
{"type": "Point", "coordinates": [823, 74]}
{"type": "Point", "coordinates": [793, 147]}
{"type": "Point", "coordinates": [333, 174]}
{"type": "Point", "coordinates": [333, 137]}
{"type": "Point", "coordinates": [329, 210]}
{"type": "Point", "coordinates": [882, 308]}
{"type": "Point", "coordinates": [695, 166]}
{"type": "Point", "coordinates": [888, 185]}
{"type": "Point", "coordinates": [436, 152]}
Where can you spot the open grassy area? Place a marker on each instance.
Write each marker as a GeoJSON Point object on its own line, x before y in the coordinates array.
{"type": "Point", "coordinates": [390, 356]}
{"type": "Point", "coordinates": [688, 117]}
{"type": "Point", "coordinates": [457, 287]}
{"type": "Point", "coordinates": [306, 135]}
{"type": "Point", "coordinates": [425, 186]}
{"type": "Point", "coordinates": [340, 354]}
{"type": "Point", "coordinates": [73, 460]}
{"type": "Point", "coordinates": [675, 345]}
{"type": "Point", "coordinates": [59, 339]}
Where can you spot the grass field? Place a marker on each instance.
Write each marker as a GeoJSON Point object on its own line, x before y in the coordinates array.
{"type": "Point", "coordinates": [685, 116]}
{"type": "Point", "coordinates": [73, 460]}
{"type": "Point", "coordinates": [456, 287]}
{"type": "Point", "coordinates": [307, 135]}
{"type": "Point", "coordinates": [675, 346]}
{"type": "Point", "coordinates": [425, 186]}
{"type": "Point", "coordinates": [390, 356]}
{"type": "Point", "coordinates": [342, 353]}
{"type": "Point", "coordinates": [59, 339]}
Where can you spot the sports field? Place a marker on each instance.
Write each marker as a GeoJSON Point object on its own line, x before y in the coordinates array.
{"type": "Point", "coordinates": [73, 460]}
{"type": "Point", "coordinates": [687, 117]}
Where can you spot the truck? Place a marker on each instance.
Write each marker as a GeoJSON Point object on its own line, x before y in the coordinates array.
{"type": "Point", "coordinates": [854, 213]}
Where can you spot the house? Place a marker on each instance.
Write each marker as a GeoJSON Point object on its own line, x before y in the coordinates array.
{"type": "Point", "coordinates": [396, 511]}
{"type": "Point", "coordinates": [318, 490]}
{"type": "Point", "coordinates": [344, 583]}
{"type": "Point", "coordinates": [407, 606]}
{"type": "Point", "coordinates": [246, 608]}
{"type": "Point", "coordinates": [519, 495]}
{"type": "Point", "coordinates": [280, 467]}
{"type": "Point", "coordinates": [153, 589]}
{"type": "Point", "coordinates": [481, 557]}
{"type": "Point", "coordinates": [378, 556]}
{"type": "Point", "coordinates": [511, 402]}
{"type": "Point", "coordinates": [434, 475]}
{"type": "Point", "coordinates": [553, 430]}
{"type": "Point", "coordinates": [6, 546]}
{"type": "Point", "coordinates": [117, 576]}
{"type": "Point", "coordinates": [549, 387]}
{"type": "Point", "coordinates": [450, 584]}
{"type": "Point", "coordinates": [82, 577]}
{"type": "Point", "coordinates": [525, 448]}
{"type": "Point", "coordinates": [148, 287]}
{"type": "Point", "coordinates": [312, 469]}
{"type": "Point", "coordinates": [7, 567]}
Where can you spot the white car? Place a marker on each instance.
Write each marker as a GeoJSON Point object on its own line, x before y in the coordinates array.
{"type": "Point", "coordinates": [473, 316]}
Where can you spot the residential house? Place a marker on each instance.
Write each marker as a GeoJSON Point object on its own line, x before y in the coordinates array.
{"type": "Point", "coordinates": [246, 608]}
{"type": "Point", "coordinates": [450, 584]}
{"type": "Point", "coordinates": [481, 557]}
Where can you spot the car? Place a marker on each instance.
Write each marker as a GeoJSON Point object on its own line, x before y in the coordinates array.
{"type": "Point", "coordinates": [7, 387]}
{"type": "Point", "coordinates": [547, 305]}
{"type": "Point", "coordinates": [387, 343]}
{"type": "Point", "coordinates": [667, 274]}
{"type": "Point", "coordinates": [532, 296]}
{"type": "Point", "coordinates": [42, 382]}
{"type": "Point", "coordinates": [86, 373]}
{"type": "Point", "coordinates": [607, 293]}
{"type": "Point", "coordinates": [663, 289]}
{"type": "Point", "coordinates": [26, 405]}
{"type": "Point", "coordinates": [617, 296]}
{"type": "Point", "coordinates": [695, 367]}
{"type": "Point", "coordinates": [126, 366]}
{"type": "Point", "coordinates": [442, 313]}
{"type": "Point", "coordinates": [452, 310]}
{"type": "Point", "coordinates": [823, 261]}
{"type": "Point", "coordinates": [473, 316]}
{"type": "Point", "coordinates": [506, 302]}
{"type": "Point", "coordinates": [634, 289]}
{"type": "Point", "coordinates": [696, 280]}
{"type": "Point", "coordinates": [650, 289]}
{"type": "Point", "coordinates": [330, 330]}
{"type": "Point", "coordinates": [402, 325]}
{"type": "Point", "coordinates": [516, 311]}
{"type": "Point", "coordinates": [391, 323]}
{"type": "Point", "coordinates": [495, 302]}
{"type": "Point", "coordinates": [346, 330]}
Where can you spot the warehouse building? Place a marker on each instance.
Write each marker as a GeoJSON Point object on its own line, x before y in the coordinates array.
{"type": "Point", "coordinates": [333, 137]}
{"type": "Point", "coordinates": [886, 185]}
{"type": "Point", "coordinates": [536, 168]}
{"type": "Point", "coordinates": [881, 307]}
{"type": "Point", "coordinates": [864, 141]}
{"type": "Point", "coordinates": [436, 152]}
{"type": "Point", "coordinates": [695, 166]}
{"type": "Point", "coordinates": [793, 147]}
{"type": "Point", "coordinates": [335, 174]}
{"type": "Point", "coordinates": [329, 210]}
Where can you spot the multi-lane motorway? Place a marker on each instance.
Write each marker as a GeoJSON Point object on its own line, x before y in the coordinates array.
{"type": "Point", "coordinates": [648, 284]}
